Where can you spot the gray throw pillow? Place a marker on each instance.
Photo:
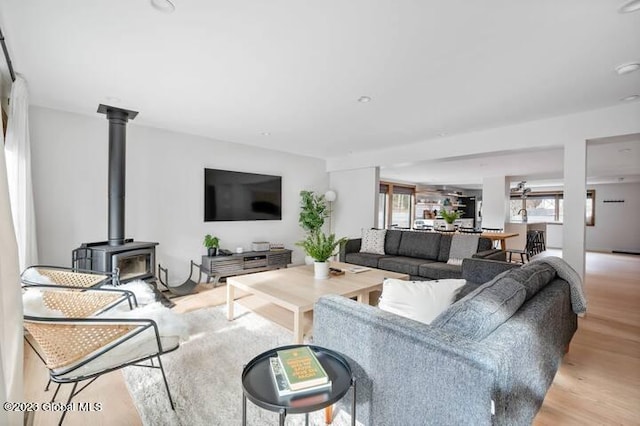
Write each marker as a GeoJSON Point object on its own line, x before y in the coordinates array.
{"type": "Point", "coordinates": [483, 310]}
{"type": "Point", "coordinates": [533, 277]}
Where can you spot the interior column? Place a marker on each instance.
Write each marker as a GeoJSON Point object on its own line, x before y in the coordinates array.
{"type": "Point", "coordinates": [575, 204]}
{"type": "Point", "coordinates": [495, 201]}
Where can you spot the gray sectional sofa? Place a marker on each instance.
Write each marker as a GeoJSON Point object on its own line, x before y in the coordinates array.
{"type": "Point", "coordinates": [422, 255]}
{"type": "Point", "coordinates": [489, 359]}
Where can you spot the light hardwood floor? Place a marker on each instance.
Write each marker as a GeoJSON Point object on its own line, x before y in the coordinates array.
{"type": "Point", "coordinates": [598, 382]}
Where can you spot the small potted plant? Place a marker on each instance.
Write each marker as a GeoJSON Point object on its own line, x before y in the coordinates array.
{"type": "Point", "coordinates": [321, 247]}
{"type": "Point", "coordinates": [449, 217]}
{"type": "Point", "coordinates": [211, 243]}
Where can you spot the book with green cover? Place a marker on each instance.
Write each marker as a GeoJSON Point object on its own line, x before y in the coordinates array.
{"type": "Point", "coordinates": [282, 386]}
{"type": "Point", "coordinates": [301, 368]}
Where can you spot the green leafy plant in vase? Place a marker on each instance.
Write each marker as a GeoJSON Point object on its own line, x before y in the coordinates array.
{"type": "Point", "coordinates": [321, 247]}
{"type": "Point", "coordinates": [449, 217]}
{"type": "Point", "coordinates": [211, 243]}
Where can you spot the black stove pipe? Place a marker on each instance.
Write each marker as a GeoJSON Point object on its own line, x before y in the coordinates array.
{"type": "Point", "coordinates": [118, 119]}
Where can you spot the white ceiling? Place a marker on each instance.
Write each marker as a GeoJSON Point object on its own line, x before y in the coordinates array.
{"type": "Point", "coordinates": [608, 160]}
{"type": "Point", "coordinates": [235, 69]}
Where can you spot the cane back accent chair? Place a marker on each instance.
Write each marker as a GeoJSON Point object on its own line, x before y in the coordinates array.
{"type": "Point", "coordinates": [77, 344]}
{"type": "Point", "coordinates": [67, 277]}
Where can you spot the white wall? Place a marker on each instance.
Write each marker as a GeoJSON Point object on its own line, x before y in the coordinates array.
{"type": "Point", "coordinates": [164, 191]}
{"type": "Point", "coordinates": [617, 225]}
{"type": "Point", "coordinates": [495, 196]}
{"type": "Point", "coordinates": [357, 204]}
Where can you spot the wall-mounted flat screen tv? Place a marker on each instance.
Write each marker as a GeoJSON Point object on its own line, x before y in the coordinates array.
{"type": "Point", "coordinates": [232, 196]}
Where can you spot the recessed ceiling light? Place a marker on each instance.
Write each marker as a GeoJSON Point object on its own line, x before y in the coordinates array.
{"type": "Point", "coordinates": [630, 6]}
{"type": "Point", "coordinates": [630, 98]}
{"type": "Point", "coordinates": [364, 99]}
{"type": "Point", "coordinates": [627, 68]}
{"type": "Point", "coordinates": [165, 6]}
{"type": "Point", "coordinates": [265, 134]}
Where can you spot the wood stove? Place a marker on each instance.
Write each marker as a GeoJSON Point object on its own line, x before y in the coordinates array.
{"type": "Point", "coordinates": [132, 259]}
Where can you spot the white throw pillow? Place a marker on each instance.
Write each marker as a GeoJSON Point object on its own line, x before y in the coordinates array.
{"type": "Point", "coordinates": [373, 241]}
{"type": "Point", "coordinates": [418, 300]}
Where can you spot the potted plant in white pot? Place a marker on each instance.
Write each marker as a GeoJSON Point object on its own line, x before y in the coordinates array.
{"type": "Point", "coordinates": [313, 212]}
{"type": "Point", "coordinates": [321, 247]}
{"type": "Point", "coordinates": [211, 243]}
{"type": "Point", "coordinates": [449, 217]}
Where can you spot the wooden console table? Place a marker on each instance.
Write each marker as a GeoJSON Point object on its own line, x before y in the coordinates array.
{"type": "Point", "coordinates": [216, 267]}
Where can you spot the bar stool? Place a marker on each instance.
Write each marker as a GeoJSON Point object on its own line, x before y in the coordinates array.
{"type": "Point", "coordinates": [535, 242]}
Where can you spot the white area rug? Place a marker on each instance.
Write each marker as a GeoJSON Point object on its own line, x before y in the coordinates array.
{"type": "Point", "coordinates": [204, 374]}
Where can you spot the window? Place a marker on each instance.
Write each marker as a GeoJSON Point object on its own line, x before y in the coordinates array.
{"type": "Point", "coordinates": [401, 207]}
{"type": "Point", "coordinates": [382, 206]}
{"type": "Point", "coordinates": [547, 207]}
{"type": "Point", "coordinates": [396, 205]}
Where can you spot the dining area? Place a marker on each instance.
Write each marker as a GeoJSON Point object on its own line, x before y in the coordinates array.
{"type": "Point", "coordinates": [524, 240]}
{"type": "Point", "coordinates": [521, 239]}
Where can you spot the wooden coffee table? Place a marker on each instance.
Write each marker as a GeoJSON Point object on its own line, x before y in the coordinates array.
{"type": "Point", "coordinates": [295, 289]}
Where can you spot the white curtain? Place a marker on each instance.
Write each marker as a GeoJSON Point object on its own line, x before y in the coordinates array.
{"type": "Point", "coordinates": [10, 306]}
{"type": "Point", "coordinates": [18, 157]}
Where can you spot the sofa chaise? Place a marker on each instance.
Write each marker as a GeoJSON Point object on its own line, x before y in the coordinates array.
{"type": "Point", "coordinates": [488, 359]}
{"type": "Point", "coordinates": [422, 255]}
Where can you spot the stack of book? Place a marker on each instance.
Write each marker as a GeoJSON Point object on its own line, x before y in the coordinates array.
{"type": "Point", "coordinates": [298, 371]}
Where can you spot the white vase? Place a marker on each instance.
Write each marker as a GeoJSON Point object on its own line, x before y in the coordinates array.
{"type": "Point", "coordinates": [449, 226]}
{"type": "Point", "coordinates": [321, 270]}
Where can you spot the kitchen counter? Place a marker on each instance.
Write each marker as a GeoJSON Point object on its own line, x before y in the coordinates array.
{"type": "Point", "coordinates": [552, 231]}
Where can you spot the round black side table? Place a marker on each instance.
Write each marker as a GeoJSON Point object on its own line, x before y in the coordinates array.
{"type": "Point", "coordinates": [258, 386]}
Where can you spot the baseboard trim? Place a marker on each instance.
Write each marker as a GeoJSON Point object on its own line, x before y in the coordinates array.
{"type": "Point", "coordinates": [637, 253]}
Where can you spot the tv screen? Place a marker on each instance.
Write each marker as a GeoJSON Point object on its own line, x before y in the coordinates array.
{"type": "Point", "coordinates": [232, 195]}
